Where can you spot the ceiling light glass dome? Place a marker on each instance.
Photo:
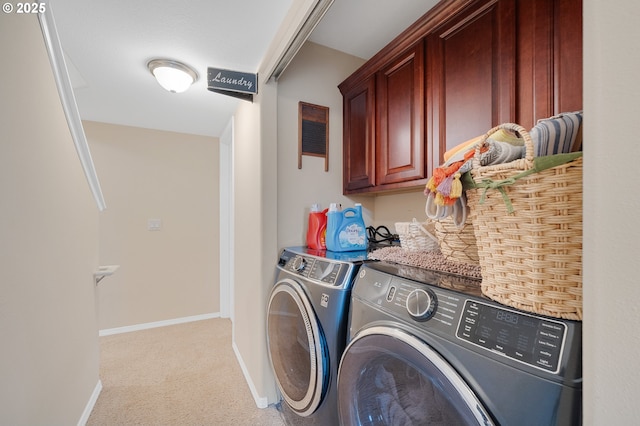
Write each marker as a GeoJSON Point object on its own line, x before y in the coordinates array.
{"type": "Point", "coordinates": [172, 75]}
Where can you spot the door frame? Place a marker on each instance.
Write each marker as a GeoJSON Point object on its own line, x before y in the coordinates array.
{"type": "Point", "coordinates": [226, 222]}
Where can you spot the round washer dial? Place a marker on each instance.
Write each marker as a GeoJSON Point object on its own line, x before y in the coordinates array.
{"type": "Point", "coordinates": [299, 264]}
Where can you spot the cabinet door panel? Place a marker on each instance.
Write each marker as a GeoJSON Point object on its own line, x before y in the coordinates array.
{"type": "Point", "coordinates": [568, 55]}
{"type": "Point", "coordinates": [472, 74]}
{"type": "Point", "coordinates": [400, 119]}
{"type": "Point", "coordinates": [549, 59]}
{"type": "Point", "coordinates": [358, 147]}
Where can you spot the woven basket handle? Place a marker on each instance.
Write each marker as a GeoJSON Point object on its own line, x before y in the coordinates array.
{"type": "Point", "coordinates": [424, 230]}
{"type": "Point", "coordinates": [525, 163]}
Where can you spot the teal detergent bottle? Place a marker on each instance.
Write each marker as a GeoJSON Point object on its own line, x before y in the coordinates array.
{"type": "Point", "coordinates": [345, 229]}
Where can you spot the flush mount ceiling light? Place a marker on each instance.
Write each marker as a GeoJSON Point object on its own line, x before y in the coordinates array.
{"type": "Point", "coordinates": [172, 75]}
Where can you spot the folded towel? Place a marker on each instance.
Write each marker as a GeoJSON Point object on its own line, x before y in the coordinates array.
{"type": "Point", "coordinates": [501, 152]}
{"type": "Point", "coordinates": [559, 134]}
{"type": "Point", "coordinates": [445, 183]}
{"type": "Point", "coordinates": [457, 153]}
{"type": "Point", "coordinates": [461, 148]}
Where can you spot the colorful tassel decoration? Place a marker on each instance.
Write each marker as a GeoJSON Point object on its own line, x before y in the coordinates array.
{"type": "Point", "coordinates": [445, 186]}
{"type": "Point", "coordinates": [431, 186]}
{"type": "Point", "coordinates": [456, 187]}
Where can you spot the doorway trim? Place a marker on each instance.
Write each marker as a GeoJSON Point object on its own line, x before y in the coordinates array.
{"type": "Point", "coordinates": [226, 222]}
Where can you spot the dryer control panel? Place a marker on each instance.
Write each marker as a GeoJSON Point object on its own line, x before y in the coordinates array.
{"type": "Point", "coordinates": [463, 316]}
{"type": "Point", "coordinates": [526, 338]}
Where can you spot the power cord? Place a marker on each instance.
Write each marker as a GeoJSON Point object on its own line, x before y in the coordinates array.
{"type": "Point", "coordinates": [381, 236]}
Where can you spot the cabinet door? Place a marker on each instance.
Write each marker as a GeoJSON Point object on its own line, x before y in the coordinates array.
{"type": "Point", "coordinates": [471, 69]}
{"type": "Point", "coordinates": [549, 59]}
{"type": "Point", "coordinates": [358, 140]}
{"type": "Point", "coordinates": [400, 153]}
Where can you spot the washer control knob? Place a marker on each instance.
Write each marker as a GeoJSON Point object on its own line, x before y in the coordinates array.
{"type": "Point", "coordinates": [299, 264]}
{"type": "Point", "coordinates": [421, 304]}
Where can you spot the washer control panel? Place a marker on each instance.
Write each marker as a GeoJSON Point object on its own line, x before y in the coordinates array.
{"type": "Point", "coordinates": [324, 271]}
{"type": "Point", "coordinates": [315, 269]}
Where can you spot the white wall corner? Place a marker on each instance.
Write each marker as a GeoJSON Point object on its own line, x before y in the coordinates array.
{"type": "Point", "coordinates": [90, 404]}
{"type": "Point", "coordinates": [155, 324]}
{"type": "Point", "coordinates": [261, 401]}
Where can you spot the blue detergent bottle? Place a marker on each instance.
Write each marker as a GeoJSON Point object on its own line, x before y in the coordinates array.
{"type": "Point", "coordinates": [345, 229]}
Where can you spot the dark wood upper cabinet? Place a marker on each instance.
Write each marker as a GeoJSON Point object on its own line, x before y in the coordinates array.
{"type": "Point", "coordinates": [359, 131]}
{"type": "Point", "coordinates": [549, 59]}
{"type": "Point", "coordinates": [462, 68]}
{"type": "Point", "coordinates": [400, 147]}
{"type": "Point", "coordinates": [471, 84]}
{"type": "Point", "coordinates": [567, 48]}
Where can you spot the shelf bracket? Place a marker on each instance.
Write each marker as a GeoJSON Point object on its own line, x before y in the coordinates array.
{"type": "Point", "coordinates": [104, 271]}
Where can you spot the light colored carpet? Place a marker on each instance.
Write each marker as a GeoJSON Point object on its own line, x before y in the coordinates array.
{"type": "Point", "coordinates": [185, 374]}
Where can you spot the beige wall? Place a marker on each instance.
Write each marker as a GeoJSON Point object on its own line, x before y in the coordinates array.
{"type": "Point", "coordinates": [255, 249]}
{"type": "Point", "coordinates": [313, 77]}
{"type": "Point", "coordinates": [48, 244]}
{"type": "Point", "coordinates": [402, 207]}
{"type": "Point", "coordinates": [150, 174]}
{"type": "Point", "coordinates": [611, 204]}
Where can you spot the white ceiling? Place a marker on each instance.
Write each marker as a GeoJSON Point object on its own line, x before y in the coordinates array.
{"type": "Point", "coordinates": [108, 43]}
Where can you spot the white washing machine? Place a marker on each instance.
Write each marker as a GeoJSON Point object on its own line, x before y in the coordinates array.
{"type": "Point", "coordinates": [307, 319]}
{"type": "Point", "coordinates": [426, 348]}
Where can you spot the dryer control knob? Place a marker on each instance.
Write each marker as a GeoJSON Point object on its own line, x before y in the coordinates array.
{"type": "Point", "coordinates": [421, 304]}
{"type": "Point", "coordinates": [299, 264]}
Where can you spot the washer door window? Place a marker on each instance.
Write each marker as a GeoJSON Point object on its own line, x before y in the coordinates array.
{"type": "Point", "coordinates": [388, 377]}
{"type": "Point", "coordinates": [297, 348]}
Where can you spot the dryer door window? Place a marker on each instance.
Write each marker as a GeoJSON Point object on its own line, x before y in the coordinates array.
{"type": "Point", "coordinates": [389, 377]}
{"type": "Point", "coordinates": [297, 348]}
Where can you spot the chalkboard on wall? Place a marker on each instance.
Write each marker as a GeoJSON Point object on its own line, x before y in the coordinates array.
{"type": "Point", "coordinates": [313, 132]}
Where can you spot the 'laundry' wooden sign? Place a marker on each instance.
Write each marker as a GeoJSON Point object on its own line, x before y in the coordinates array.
{"type": "Point", "coordinates": [233, 83]}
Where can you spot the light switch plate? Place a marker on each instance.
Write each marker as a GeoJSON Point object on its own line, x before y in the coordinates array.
{"type": "Point", "coordinates": [154, 224]}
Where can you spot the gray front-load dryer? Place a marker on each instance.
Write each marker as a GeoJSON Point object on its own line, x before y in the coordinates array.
{"type": "Point", "coordinates": [426, 348]}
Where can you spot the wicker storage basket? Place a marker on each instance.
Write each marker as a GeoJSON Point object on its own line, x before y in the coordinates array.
{"type": "Point", "coordinates": [457, 244]}
{"type": "Point", "coordinates": [528, 225]}
{"type": "Point", "coordinates": [415, 236]}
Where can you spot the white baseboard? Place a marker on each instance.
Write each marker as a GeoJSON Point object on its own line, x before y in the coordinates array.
{"type": "Point", "coordinates": [145, 326]}
{"type": "Point", "coordinates": [261, 402]}
{"type": "Point", "coordinates": [92, 402]}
